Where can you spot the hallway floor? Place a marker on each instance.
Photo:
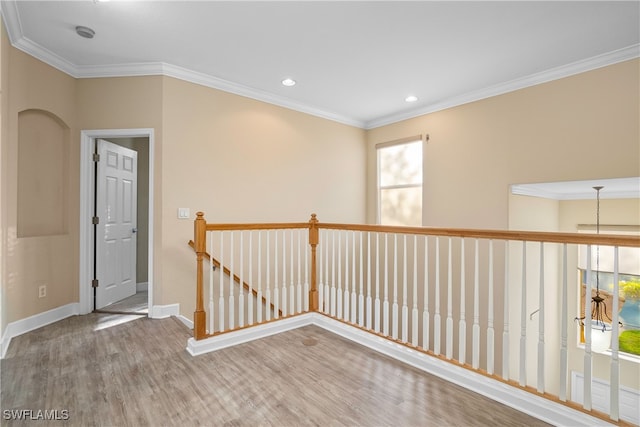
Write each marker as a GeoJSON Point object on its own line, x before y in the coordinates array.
{"type": "Point", "coordinates": [127, 370]}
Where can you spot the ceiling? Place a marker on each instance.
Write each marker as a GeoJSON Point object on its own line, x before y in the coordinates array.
{"type": "Point", "coordinates": [354, 62]}
{"type": "Point", "coordinates": [614, 188]}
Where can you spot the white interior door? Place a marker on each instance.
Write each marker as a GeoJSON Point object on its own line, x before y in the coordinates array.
{"type": "Point", "coordinates": [116, 208]}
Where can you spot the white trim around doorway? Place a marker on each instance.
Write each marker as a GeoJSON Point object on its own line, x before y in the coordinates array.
{"type": "Point", "coordinates": [87, 140]}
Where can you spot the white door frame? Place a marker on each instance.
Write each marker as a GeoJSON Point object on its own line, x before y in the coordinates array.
{"type": "Point", "coordinates": [87, 189]}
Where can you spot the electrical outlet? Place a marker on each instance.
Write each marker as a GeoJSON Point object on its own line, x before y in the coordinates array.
{"type": "Point", "coordinates": [42, 291]}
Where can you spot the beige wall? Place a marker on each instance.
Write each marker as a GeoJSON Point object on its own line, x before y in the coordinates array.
{"type": "Point", "coordinates": [50, 260]}
{"type": "Point", "coordinates": [580, 127]}
{"type": "Point", "coordinates": [238, 159]}
{"type": "Point", "coordinates": [264, 162]}
{"type": "Point", "coordinates": [241, 160]}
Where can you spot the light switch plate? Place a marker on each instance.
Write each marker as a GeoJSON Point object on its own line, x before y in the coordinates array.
{"type": "Point", "coordinates": [183, 213]}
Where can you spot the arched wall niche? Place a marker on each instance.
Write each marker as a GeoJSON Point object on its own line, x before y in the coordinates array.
{"type": "Point", "coordinates": [43, 174]}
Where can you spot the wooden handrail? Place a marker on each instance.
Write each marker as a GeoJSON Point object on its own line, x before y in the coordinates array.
{"type": "Point", "coordinates": [533, 236]}
{"type": "Point", "coordinates": [256, 226]}
{"type": "Point", "coordinates": [236, 279]}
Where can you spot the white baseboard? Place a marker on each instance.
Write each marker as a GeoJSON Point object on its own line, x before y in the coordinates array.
{"type": "Point", "coordinates": [36, 321]}
{"type": "Point", "coordinates": [536, 406]}
{"type": "Point", "coordinates": [142, 287]}
{"type": "Point", "coordinates": [601, 397]}
{"type": "Point", "coordinates": [163, 311]}
{"type": "Point", "coordinates": [196, 348]}
{"type": "Point", "coordinates": [187, 322]}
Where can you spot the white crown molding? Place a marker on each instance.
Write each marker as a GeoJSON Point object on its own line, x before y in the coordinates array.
{"type": "Point", "coordinates": [11, 18]}
{"type": "Point", "coordinates": [259, 95]}
{"type": "Point", "coordinates": [610, 58]}
{"type": "Point", "coordinates": [616, 188]}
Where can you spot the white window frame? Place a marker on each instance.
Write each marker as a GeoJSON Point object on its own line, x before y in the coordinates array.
{"type": "Point", "coordinates": [380, 187]}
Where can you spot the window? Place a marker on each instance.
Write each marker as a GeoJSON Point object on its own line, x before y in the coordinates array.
{"type": "Point", "coordinates": [400, 182]}
{"type": "Point", "coordinates": [628, 283]}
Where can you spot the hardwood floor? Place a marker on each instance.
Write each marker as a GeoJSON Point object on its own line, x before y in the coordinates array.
{"type": "Point", "coordinates": [129, 371]}
{"type": "Point", "coordinates": [136, 303]}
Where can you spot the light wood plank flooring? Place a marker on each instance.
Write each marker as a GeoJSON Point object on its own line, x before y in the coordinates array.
{"type": "Point", "coordinates": [130, 371]}
{"type": "Point", "coordinates": [136, 303]}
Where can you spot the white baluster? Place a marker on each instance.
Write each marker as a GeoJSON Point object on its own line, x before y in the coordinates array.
{"type": "Point", "coordinates": [414, 312]}
{"type": "Point", "coordinates": [586, 404]}
{"type": "Point", "coordinates": [425, 308]}
{"type": "Point", "coordinates": [276, 278]}
{"type": "Point", "coordinates": [368, 300]}
{"type": "Point", "coordinates": [211, 290]}
{"type": "Point", "coordinates": [491, 315]}
{"type": "Point", "coordinates": [462, 324]}
{"type": "Point", "coordinates": [231, 285]}
{"type": "Point", "coordinates": [436, 315]}
{"type": "Point", "coordinates": [345, 298]}
{"type": "Point", "coordinates": [563, 328]}
{"type": "Point", "coordinates": [292, 288]}
{"type": "Point", "coordinates": [354, 297]}
{"type": "Point", "coordinates": [405, 297]}
{"type": "Point", "coordinates": [268, 284]}
{"type": "Point", "coordinates": [250, 292]}
{"type": "Point", "coordinates": [284, 307]}
{"type": "Point", "coordinates": [523, 318]}
{"type": "Point", "coordinates": [327, 294]}
{"type": "Point", "coordinates": [505, 330]}
{"type": "Point", "coordinates": [361, 317]}
{"type": "Point", "coordinates": [306, 271]}
{"type": "Point", "coordinates": [321, 300]}
{"type": "Point", "coordinates": [339, 290]}
{"type": "Point", "coordinates": [449, 326]}
{"type": "Point", "coordinates": [333, 273]}
{"type": "Point", "coordinates": [394, 312]}
{"type": "Point", "coordinates": [475, 332]}
{"type": "Point", "coordinates": [385, 304]}
{"type": "Point", "coordinates": [614, 398]}
{"type": "Point", "coordinates": [241, 293]}
{"type": "Point", "coordinates": [259, 304]}
{"type": "Point", "coordinates": [221, 299]}
{"type": "Point", "coordinates": [299, 286]}
{"type": "Point", "coordinates": [376, 322]}
{"type": "Point", "coordinates": [541, 324]}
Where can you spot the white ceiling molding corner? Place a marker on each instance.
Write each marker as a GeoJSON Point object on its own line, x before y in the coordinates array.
{"type": "Point", "coordinates": [610, 58]}
{"type": "Point", "coordinates": [614, 188]}
{"type": "Point", "coordinates": [11, 16]}
{"type": "Point", "coordinates": [248, 92]}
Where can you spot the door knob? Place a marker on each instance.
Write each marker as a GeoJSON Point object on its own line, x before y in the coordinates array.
{"type": "Point", "coordinates": [134, 230]}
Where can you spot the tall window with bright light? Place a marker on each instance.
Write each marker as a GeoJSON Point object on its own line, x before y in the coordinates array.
{"type": "Point", "coordinates": [400, 182]}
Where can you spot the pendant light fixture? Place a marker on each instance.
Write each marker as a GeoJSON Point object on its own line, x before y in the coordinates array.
{"type": "Point", "coordinates": [600, 320]}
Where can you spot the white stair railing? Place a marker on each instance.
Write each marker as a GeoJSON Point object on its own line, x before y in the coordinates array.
{"type": "Point", "coordinates": [395, 281]}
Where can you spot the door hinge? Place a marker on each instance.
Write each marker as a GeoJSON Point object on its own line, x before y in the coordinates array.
{"type": "Point", "coordinates": [95, 220]}
{"type": "Point", "coordinates": [94, 283]}
{"type": "Point", "coordinates": [96, 157]}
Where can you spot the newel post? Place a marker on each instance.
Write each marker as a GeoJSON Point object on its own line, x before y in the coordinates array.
{"type": "Point", "coordinates": [200, 239]}
{"type": "Point", "coordinates": [313, 241]}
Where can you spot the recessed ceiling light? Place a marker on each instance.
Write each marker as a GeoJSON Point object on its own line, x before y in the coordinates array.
{"type": "Point", "coordinates": [411, 98]}
{"type": "Point", "coordinates": [288, 82]}
{"type": "Point", "coordinates": [85, 32]}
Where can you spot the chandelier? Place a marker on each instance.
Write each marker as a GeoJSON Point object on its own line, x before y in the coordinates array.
{"type": "Point", "coordinates": [600, 320]}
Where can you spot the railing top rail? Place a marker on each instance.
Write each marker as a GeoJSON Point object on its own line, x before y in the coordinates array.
{"type": "Point", "coordinates": [257, 226]}
{"type": "Point", "coordinates": [534, 236]}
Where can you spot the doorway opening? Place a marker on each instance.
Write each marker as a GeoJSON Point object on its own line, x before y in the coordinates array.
{"type": "Point", "coordinates": [140, 141]}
